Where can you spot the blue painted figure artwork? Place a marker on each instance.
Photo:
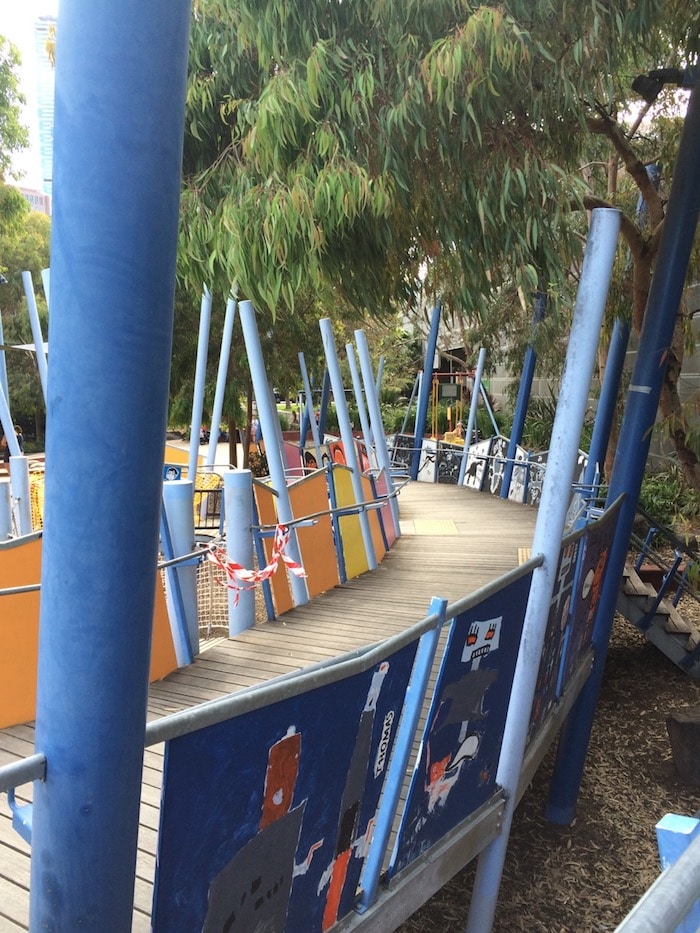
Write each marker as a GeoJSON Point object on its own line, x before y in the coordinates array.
{"type": "Point", "coordinates": [456, 768]}
{"type": "Point", "coordinates": [266, 818]}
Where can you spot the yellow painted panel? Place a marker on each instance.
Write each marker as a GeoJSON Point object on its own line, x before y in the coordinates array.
{"type": "Point", "coordinates": [350, 530]}
{"type": "Point", "coordinates": [267, 515]}
{"type": "Point", "coordinates": [310, 495]}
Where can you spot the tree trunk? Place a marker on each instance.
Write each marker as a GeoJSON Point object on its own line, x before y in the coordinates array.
{"type": "Point", "coordinates": [672, 411]}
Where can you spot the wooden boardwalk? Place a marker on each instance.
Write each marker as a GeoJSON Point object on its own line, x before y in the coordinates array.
{"type": "Point", "coordinates": [453, 542]}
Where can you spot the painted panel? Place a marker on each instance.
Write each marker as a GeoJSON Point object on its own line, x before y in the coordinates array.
{"type": "Point", "coordinates": [538, 466]}
{"type": "Point", "coordinates": [20, 565]}
{"type": "Point", "coordinates": [456, 768]}
{"type": "Point", "coordinates": [350, 531]}
{"type": "Point", "coordinates": [546, 692]}
{"type": "Point", "coordinates": [477, 464]}
{"type": "Point", "coordinates": [266, 818]}
{"type": "Point", "coordinates": [449, 460]}
{"type": "Point", "coordinates": [292, 459]}
{"type": "Point", "coordinates": [519, 477]}
{"type": "Point", "coordinates": [386, 516]}
{"type": "Point", "coordinates": [374, 524]}
{"type": "Point", "coordinates": [309, 496]}
{"type": "Point", "coordinates": [497, 465]}
{"type": "Point", "coordinates": [593, 562]}
{"type": "Point", "coordinates": [427, 465]}
{"type": "Point", "coordinates": [267, 515]}
{"type": "Point", "coordinates": [402, 452]}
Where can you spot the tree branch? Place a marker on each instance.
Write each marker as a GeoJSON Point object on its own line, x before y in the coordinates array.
{"type": "Point", "coordinates": [628, 228]}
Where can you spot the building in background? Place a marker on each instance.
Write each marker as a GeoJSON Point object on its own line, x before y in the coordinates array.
{"type": "Point", "coordinates": [44, 28]}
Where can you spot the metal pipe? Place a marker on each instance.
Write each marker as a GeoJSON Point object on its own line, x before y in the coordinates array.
{"type": "Point", "coordinates": [524, 390]}
{"type": "Point", "coordinates": [121, 72]}
{"type": "Point", "coordinates": [218, 407]}
{"type": "Point", "coordinates": [37, 335]}
{"type": "Point", "coordinates": [238, 509]}
{"type": "Point", "coordinates": [309, 415]}
{"type": "Point", "coordinates": [269, 421]}
{"type": "Point", "coordinates": [549, 529]}
{"type": "Point", "coordinates": [177, 539]}
{"type": "Point", "coordinates": [425, 390]}
{"type": "Point", "coordinates": [382, 451]}
{"type": "Point", "coordinates": [471, 422]}
{"type": "Point", "coordinates": [360, 401]}
{"type": "Point", "coordinates": [664, 299]}
{"type": "Point", "coordinates": [200, 376]}
{"type": "Point", "coordinates": [341, 409]}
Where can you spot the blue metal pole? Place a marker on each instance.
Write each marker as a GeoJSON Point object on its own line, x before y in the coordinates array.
{"type": "Point", "coordinates": [37, 335]}
{"type": "Point", "coordinates": [218, 406]}
{"type": "Point", "coordinates": [309, 418]}
{"type": "Point", "coordinates": [473, 406]}
{"type": "Point", "coordinates": [341, 409]}
{"type": "Point", "coordinates": [238, 493]}
{"type": "Point", "coordinates": [633, 445]}
{"type": "Point", "coordinates": [324, 403]}
{"type": "Point", "coordinates": [571, 408]}
{"type": "Point", "coordinates": [375, 413]}
{"type": "Point", "coordinates": [524, 389]}
{"type": "Point", "coordinates": [181, 596]}
{"type": "Point", "coordinates": [360, 401]}
{"type": "Point", "coordinates": [425, 390]}
{"type": "Point", "coordinates": [607, 402]}
{"type": "Point", "coordinates": [269, 421]}
{"type": "Point", "coordinates": [200, 376]}
{"type": "Point", "coordinates": [121, 70]}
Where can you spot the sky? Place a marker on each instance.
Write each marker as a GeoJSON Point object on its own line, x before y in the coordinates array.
{"type": "Point", "coordinates": [17, 18]}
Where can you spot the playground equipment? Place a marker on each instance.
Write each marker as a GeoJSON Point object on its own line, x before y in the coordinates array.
{"type": "Point", "coordinates": [91, 703]}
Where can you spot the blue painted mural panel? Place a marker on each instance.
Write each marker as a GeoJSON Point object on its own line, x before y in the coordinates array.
{"type": "Point", "coordinates": [456, 769]}
{"type": "Point", "coordinates": [265, 818]}
{"type": "Point", "coordinates": [555, 635]}
{"type": "Point", "coordinates": [593, 562]}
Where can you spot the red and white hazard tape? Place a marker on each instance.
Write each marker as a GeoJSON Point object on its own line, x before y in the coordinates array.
{"type": "Point", "coordinates": [239, 578]}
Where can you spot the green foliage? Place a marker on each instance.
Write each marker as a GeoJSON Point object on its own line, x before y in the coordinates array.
{"type": "Point", "coordinates": [13, 135]}
{"type": "Point", "coordinates": [24, 246]}
{"type": "Point", "coordinates": [670, 499]}
{"type": "Point", "coordinates": [335, 147]}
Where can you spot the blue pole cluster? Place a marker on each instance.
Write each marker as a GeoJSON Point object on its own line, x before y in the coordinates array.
{"type": "Point", "coordinates": [119, 123]}
{"type": "Point", "coordinates": [633, 445]}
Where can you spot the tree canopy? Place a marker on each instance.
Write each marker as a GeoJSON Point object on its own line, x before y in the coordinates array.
{"type": "Point", "coordinates": [340, 147]}
{"type": "Point", "coordinates": [13, 134]}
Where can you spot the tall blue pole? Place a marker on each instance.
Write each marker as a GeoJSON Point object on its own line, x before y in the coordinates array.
{"type": "Point", "coordinates": [571, 407]}
{"type": "Point", "coordinates": [218, 405]}
{"type": "Point", "coordinates": [119, 122]}
{"type": "Point", "coordinates": [523, 399]}
{"type": "Point", "coordinates": [425, 390]}
{"type": "Point", "coordinates": [200, 376]}
{"type": "Point", "coordinates": [324, 403]}
{"type": "Point", "coordinates": [607, 403]}
{"type": "Point", "coordinates": [633, 444]}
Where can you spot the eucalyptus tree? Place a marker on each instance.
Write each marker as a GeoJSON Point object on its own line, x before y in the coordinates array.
{"type": "Point", "coordinates": [339, 146]}
{"type": "Point", "coordinates": [13, 134]}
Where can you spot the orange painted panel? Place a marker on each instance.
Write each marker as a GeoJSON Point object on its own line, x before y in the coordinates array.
{"type": "Point", "coordinates": [350, 530]}
{"type": "Point", "coordinates": [267, 515]}
{"type": "Point", "coordinates": [163, 659]}
{"type": "Point", "coordinates": [20, 565]}
{"type": "Point", "coordinates": [310, 495]}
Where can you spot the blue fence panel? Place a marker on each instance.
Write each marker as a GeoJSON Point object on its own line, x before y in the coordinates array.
{"type": "Point", "coordinates": [456, 770]}
{"type": "Point", "coordinates": [266, 817]}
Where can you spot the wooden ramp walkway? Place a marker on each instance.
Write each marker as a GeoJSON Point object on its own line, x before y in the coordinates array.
{"type": "Point", "coordinates": [454, 541]}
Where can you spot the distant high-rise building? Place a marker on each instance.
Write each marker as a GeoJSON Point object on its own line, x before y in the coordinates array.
{"type": "Point", "coordinates": [45, 98]}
